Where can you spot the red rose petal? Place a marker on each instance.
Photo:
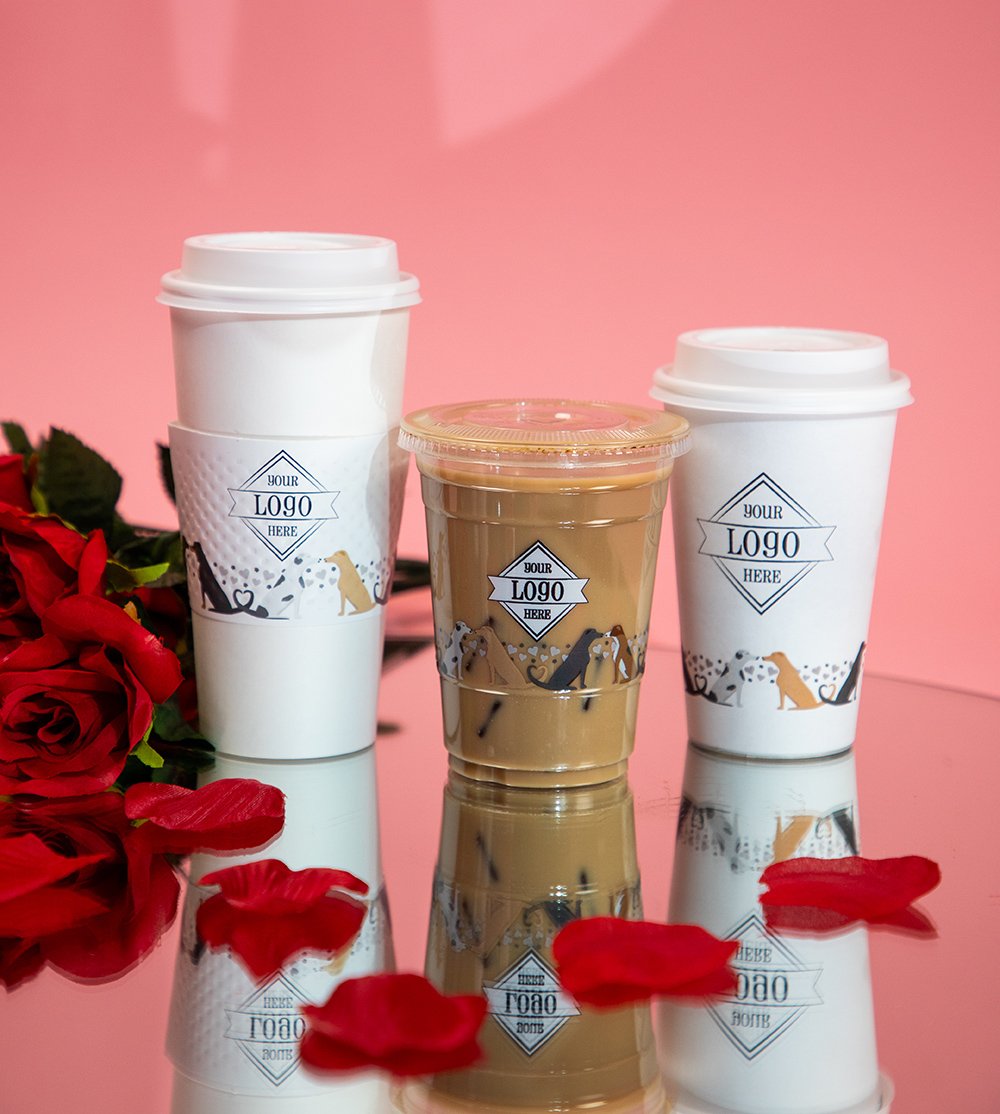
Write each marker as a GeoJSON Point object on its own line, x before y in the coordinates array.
{"type": "Point", "coordinates": [397, 1022]}
{"type": "Point", "coordinates": [809, 920]}
{"type": "Point", "coordinates": [47, 911]}
{"type": "Point", "coordinates": [267, 914]}
{"type": "Point", "coordinates": [93, 563]}
{"type": "Point", "coordinates": [44, 556]}
{"type": "Point", "coordinates": [13, 485]}
{"type": "Point", "coordinates": [231, 814]}
{"type": "Point", "coordinates": [854, 888]}
{"type": "Point", "coordinates": [91, 619]}
{"type": "Point", "coordinates": [606, 961]}
{"type": "Point", "coordinates": [268, 886]}
{"type": "Point", "coordinates": [107, 946]}
{"type": "Point", "coordinates": [20, 960]}
{"type": "Point", "coordinates": [106, 914]}
{"type": "Point", "coordinates": [322, 1054]}
{"type": "Point", "coordinates": [28, 864]}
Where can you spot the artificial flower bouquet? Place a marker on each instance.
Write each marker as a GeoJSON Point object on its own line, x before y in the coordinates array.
{"type": "Point", "coordinates": [98, 743]}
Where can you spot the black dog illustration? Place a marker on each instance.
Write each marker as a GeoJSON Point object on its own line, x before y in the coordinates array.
{"type": "Point", "coordinates": [213, 596]}
{"type": "Point", "coordinates": [850, 686]}
{"type": "Point", "coordinates": [844, 820]}
{"type": "Point", "coordinates": [572, 667]}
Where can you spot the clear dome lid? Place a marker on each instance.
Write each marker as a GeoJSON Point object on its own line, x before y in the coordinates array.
{"type": "Point", "coordinates": [550, 433]}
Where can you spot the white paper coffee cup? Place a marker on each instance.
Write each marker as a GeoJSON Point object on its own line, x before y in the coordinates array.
{"type": "Point", "coordinates": [798, 1033]}
{"type": "Point", "coordinates": [234, 1041]}
{"type": "Point", "coordinates": [777, 515]}
{"type": "Point", "coordinates": [289, 351]}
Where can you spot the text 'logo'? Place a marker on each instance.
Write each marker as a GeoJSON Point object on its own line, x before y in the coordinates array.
{"type": "Point", "coordinates": [764, 542]}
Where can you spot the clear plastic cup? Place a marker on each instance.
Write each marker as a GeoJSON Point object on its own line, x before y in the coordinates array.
{"type": "Point", "coordinates": [514, 866]}
{"type": "Point", "coordinates": [543, 523]}
{"type": "Point", "coordinates": [777, 517]}
{"type": "Point", "coordinates": [289, 350]}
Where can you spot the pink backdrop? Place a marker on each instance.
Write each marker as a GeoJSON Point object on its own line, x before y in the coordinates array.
{"type": "Point", "coordinates": [574, 181]}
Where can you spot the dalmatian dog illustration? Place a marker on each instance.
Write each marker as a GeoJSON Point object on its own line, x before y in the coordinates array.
{"type": "Point", "coordinates": [730, 681]}
{"type": "Point", "coordinates": [454, 656]}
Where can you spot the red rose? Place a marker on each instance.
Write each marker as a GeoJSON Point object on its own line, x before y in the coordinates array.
{"type": "Point", "coordinates": [41, 561]}
{"type": "Point", "coordinates": [75, 702]}
{"type": "Point", "coordinates": [13, 484]}
{"type": "Point", "coordinates": [85, 889]}
{"type": "Point", "coordinates": [93, 903]}
{"type": "Point", "coordinates": [161, 609]}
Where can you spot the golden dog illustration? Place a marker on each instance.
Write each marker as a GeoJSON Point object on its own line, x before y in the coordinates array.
{"type": "Point", "coordinates": [790, 684]}
{"type": "Point", "coordinates": [483, 641]}
{"type": "Point", "coordinates": [622, 656]}
{"type": "Point", "coordinates": [788, 838]}
{"type": "Point", "coordinates": [352, 587]}
{"type": "Point", "coordinates": [439, 568]}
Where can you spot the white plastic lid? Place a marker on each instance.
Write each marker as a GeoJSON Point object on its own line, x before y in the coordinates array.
{"type": "Point", "coordinates": [289, 273]}
{"type": "Point", "coordinates": [775, 370]}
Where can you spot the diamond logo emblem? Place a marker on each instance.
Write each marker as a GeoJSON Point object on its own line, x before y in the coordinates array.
{"type": "Point", "coordinates": [538, 590]}
{"type": "Point", "coordinates": [283, 504]}
{"type": "Point", "coordinates": [528, 1003]}
{"type": "Point", "coordinates": [764, 542]}
{"type": "Point", "coordinates": [267, 1028]}
{"type": "Point", "coordinates": [774, 988]}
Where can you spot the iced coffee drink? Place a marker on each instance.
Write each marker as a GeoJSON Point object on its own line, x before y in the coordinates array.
{"type": "Point", "coordinates": [543, 521]}
{"type": "Point", "coordinates": [515, 865]}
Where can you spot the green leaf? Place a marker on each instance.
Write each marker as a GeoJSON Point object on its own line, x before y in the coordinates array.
{"type": "Point", "coordinates": [17, 439]}
{"type": "Point", "coordinates": [151, 547]}
{"type": "Point", "coordinates": [170, 725]}
{"type": "Point", "coordinates": [146, 755]}
{"type": "Point", "coordinates": [79, 484]}
{"type": "Point", "coordinates": [120, 536]}
{"type": "Point", "coordinates": [121, 577]}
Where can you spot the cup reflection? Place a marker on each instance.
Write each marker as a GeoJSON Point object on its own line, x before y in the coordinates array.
{"type": "Point", "coordinates": [234, 1041]}
{"type": "Point", "coordinates": [797, 1036]}
{"type": "Point", "coordinates": [514, 866]}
